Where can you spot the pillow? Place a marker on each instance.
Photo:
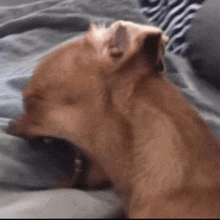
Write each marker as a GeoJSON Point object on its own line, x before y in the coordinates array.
{"type": "Point", "coordinates": [174, 18]}
{"type": "Point", "coordinates": [204, 40]}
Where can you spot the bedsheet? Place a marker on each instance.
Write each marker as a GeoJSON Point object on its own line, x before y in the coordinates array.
{"type": "Point", "coordinates": [28, 172]}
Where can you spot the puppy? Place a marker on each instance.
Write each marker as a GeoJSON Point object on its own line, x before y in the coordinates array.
{"type": "Point", "coordinates": [107, 93]}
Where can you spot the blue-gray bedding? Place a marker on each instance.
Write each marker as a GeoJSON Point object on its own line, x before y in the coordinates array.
{"type": "Point", "coordinates": [27, 32]}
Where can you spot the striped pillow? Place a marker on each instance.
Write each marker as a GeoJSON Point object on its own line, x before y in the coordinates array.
{"type": "Point", "coordinates": [174, 18]}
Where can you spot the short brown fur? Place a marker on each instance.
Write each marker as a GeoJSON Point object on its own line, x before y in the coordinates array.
{"type": "Point", "coordinates": [107, 93]}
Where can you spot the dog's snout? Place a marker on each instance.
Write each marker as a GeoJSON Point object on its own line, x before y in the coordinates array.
{"type": "Point", "coordinates": [17, 128]}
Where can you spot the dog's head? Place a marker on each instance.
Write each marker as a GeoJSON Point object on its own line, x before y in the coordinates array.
{"type": "Point", "coordinates": [82, 91]}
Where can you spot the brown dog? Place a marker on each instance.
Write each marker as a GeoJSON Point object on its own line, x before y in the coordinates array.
{"type": "Point", "coordinates": [107, 93]}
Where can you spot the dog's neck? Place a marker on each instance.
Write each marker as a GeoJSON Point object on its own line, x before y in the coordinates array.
{"type": "Point", "coordinates": [163, 145]}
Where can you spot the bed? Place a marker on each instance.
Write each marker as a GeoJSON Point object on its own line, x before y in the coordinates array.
{"type": "Point", "coordinates": [29, 173]}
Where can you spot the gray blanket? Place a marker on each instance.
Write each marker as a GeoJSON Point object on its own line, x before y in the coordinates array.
{"type": "Point", "coordinates": [28, 173]}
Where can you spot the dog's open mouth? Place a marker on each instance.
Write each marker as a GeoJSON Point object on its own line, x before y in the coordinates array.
{"type": "Point", "coordinates": [69, 158]}
{"type": "Point", "coordinates": [65, 155]}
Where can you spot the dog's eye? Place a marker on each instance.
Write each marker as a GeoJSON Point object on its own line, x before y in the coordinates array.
{"type": "Point", "coordinates": [71, 100]}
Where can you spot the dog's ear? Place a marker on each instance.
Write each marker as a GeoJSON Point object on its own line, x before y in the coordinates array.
{"type": "Point", "coordinates": [118, 41]}
{"type": "Point", "coordinates": [154, 49]}
{"type": "Point", "coordinates": [128, 39]}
